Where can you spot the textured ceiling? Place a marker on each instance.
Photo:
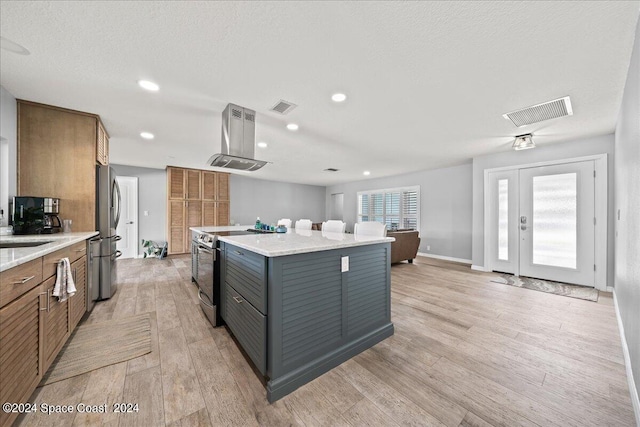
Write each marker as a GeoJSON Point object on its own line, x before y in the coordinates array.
{"type": "Point", "coordinates": [427, 82]}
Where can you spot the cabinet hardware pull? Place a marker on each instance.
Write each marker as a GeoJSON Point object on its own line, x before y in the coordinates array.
{"type": "Point", "coordinates": [238, 253]}
{"type": "Point", "coordinates": [81, 250]}
{"type": "Point", "coordinates": [48, 300]}
{"type": "Point", "coordinates": [39, 305]}
{"type": "Point", "coordinates": [238, 300]}
{"type": "Point", "coordinates": [23, 281]}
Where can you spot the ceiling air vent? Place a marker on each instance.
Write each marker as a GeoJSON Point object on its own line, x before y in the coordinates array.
{"type": "Point", "coordinates": [283, 107]}
{"type": "Point", "coordinates": [537, 113]}
{"type": "Point", "coordinates": [331, 170]}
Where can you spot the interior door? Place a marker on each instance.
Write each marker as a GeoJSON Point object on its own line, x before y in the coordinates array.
{"type": "Point", "coordinates": [128, 224]}
{"type": "Point", "coordinates": [557, 223]}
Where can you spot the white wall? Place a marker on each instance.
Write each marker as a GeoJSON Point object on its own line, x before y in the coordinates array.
{"type": "Point", "coordinates": [627, 200]}
{"type": "Point", "coordinates": [566, 150]}
{"type": "Point", "coordinates": [272, 200]}
{"type": "Point", "coordinates": [445, 206]}
{"type": "Point", "coordinates": [8, 150]}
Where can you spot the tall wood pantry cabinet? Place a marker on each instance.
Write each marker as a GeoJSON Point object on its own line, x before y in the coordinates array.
{"type": "Point", "coordinates": [194, 198]}
{"type": "Point", "coordinates": [58, 150]}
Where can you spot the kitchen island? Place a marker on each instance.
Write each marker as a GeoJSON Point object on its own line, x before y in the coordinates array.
{"type": "Point", "coordinates": [303, 302]}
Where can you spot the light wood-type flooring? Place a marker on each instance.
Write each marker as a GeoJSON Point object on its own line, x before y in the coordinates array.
{"type": "Point", "coordinates": [466, 352]}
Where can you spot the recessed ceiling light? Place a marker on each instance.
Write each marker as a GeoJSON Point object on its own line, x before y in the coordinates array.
{"type": "Point", "coordinates": [146, 135]}
{"type": "Point", "coordinates": [292, 126]}
{"type": "Point", "coordinates": [12, 46]}
{"type": "Point", "coordinates": [148, 85]}
{"type": "Point", "coordinates": [366, 173]}
{"type": "Point", "coordinates": [338, 97]}
{"type": "Point", "coordinates": [262, 144]}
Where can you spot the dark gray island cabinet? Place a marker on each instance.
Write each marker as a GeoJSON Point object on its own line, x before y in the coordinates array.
{"type": "Point", "coordinates": [302, 311]}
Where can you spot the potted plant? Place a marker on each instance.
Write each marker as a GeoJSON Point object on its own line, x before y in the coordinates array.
{"type": "Point", "coordinates": [153, 249]}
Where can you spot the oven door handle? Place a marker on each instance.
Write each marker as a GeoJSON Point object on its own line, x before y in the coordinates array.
{"type": "Point", "coordinates": [202, 248]}
{"type": "Point", "coordinates": [202, 300]}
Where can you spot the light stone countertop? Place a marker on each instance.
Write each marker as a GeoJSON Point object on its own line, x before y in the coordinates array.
{"type": "Point", "coordinates": [299, 242]}
{"type": "Point", "coordinates": [15, 256]}
{"type": "Point", "coordinates": [220, 229]}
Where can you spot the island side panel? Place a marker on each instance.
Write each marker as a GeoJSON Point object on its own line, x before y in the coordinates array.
{"type": "Point", "coordinates": [320, 316]}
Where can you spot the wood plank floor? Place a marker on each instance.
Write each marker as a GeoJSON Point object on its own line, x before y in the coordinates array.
{"type": "Point", "coordinates": [466, 352]}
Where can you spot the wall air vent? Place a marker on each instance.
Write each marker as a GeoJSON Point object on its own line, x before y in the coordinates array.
{"type": "Point", "coordinates": [331, 170]}
{"type": "Point", "coordinates": [537, 113]}
{"type": "Point", "coordinates": [283, 107]}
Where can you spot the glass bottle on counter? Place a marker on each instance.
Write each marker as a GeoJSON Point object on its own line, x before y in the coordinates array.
{"type": "Point", "coordinates": [258, 224]}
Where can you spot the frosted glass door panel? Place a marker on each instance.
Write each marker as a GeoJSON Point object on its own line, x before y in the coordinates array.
{"type": "Point", "coordinates": [555, 220]}
{"type": "Point", "coordinates": [503, 219]}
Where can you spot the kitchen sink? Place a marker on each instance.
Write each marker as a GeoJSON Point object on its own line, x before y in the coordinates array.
{"type": "Point", "coordinates": [8, 245]}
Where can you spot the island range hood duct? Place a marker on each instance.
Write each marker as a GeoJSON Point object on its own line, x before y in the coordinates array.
{"type": "Point", "coordinates": [238, 140]}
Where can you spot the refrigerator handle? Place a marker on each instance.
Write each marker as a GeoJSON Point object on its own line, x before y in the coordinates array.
{"type": "Point", "coordinates": [116, 197]}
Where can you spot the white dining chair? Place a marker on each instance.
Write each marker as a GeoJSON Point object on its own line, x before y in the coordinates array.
{"type": "Point", "coordinates": [334, 226]}
{"type": "Point", "coordinates": [303, 224]}
{"type": "Point", "coordinates": [285, 221]}
{"type": "Point", "coordinates": [370, 228]}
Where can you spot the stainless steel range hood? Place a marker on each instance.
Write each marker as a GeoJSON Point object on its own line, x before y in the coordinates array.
{"type": "Point", "coordinates": [238, 140]}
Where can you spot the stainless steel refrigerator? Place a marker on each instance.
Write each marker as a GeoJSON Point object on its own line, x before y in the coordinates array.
{"type": "Point", "coordinates": [107, 217]}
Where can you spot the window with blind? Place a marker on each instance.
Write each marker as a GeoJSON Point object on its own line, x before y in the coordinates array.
{"type": "Point", "coordinates": [399, 208]}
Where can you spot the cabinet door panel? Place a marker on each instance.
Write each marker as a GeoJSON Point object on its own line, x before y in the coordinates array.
{"type": "Point", "coordinates": [20, 350]}
{"type": "Point", "coordinates": [209, 185]}
{"type": "Point", "coordinates": [193, 185]}
{"type": "Point", "coordinates": [46, 134]}
{"type": "Point", "coordinates": [78, 303]}
{"type": "Point", "coordinates": [176, 178]}
{"type": "Point", "coordinates": [222, 213]}
{"type": "Point", "coordinates": [55, 323]}
{"type": "Point", "coordinates": [208, 213]}
{"type": "Point", "coordinates": [223, 186]}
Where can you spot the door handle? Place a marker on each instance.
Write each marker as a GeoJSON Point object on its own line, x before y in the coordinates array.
{"type": "Point", "coordinates": [129, 222]}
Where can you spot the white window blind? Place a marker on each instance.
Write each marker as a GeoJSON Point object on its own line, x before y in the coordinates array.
{"type": "Point", "coordinates": [397, 207]}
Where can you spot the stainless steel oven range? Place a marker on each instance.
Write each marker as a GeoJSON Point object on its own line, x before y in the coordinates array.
{"type": "Point", "coordinates": [205, 271]}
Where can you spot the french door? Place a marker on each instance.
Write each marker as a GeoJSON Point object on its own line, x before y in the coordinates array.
{"type": "Point", "coordinates": [543, 222]}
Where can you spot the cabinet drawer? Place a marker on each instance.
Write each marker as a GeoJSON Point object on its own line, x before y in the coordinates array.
{"type": "Point", "coordinates": [20, 279]}
{"type": "Point", "coordinates": [246, 273]}
{"type": "Point", "coordinates": [249, 326]}
{"type": "Point", "coordinates": [73, 252]}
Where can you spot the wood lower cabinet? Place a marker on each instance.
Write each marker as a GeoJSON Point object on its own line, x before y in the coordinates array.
{"type": "Point", "coordinates": [34, 325]}
{"type": "Point", "coordinates": [20, 364]}
{"type": "Point", "coordinates": [195, 198]}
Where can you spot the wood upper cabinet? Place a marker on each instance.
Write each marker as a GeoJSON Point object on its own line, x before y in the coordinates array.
{"type": "Point", "coordinates": [195, 198]}
{"type": "Point", "coordinates": [175, 179]}
{"type": "Point", "coordinates": [58, 150]}
{"type": "Point", "coordinates": [215, 186]}
{"type": "Point", "coordinates": [102, 145]}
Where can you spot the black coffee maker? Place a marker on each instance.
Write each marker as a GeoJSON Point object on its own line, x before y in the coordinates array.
{"type": "Point", "coordinates": [36, 215]}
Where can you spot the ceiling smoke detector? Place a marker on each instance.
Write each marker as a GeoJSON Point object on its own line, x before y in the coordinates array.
{"type": "Point", "coordinates": [523, 142]}
{"type": "Point", "coordinates": [283, 107]}
{"type": "Point", "coordinates": [560, 107]}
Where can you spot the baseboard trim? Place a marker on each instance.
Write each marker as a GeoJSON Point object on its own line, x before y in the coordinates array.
{"type": "Point", "coordinates": [445, 258]}
{"type": "Point", "coordinates": [635, 401]}
{"type": "Point", "coordinates": [609, 289]}
{"type": "Point", "coordinates": [478, 268]}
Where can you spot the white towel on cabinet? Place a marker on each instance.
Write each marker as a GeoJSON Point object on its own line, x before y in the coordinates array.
{"type": "Point", "coordinates": [64, 287]}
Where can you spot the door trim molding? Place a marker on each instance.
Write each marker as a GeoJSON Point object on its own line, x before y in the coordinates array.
{"type": "Point", "coordinates": [601, 210]}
